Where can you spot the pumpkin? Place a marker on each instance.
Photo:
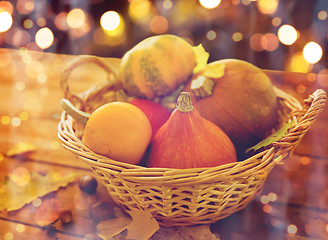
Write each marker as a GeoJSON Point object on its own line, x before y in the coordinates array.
{"type": "Point", "coordinates": [117, 130]}
{"type": "Point", "coordinates": [187, 140]}
{"type": "Point", "coordinates": [156, 66]}
{"type": "Point", "coordinates": [242, 102]}
{"type": "Point", "coordinates": [156, 113]}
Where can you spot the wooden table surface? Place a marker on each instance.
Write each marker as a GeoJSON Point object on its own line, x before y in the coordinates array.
{"type": "Point", "coordinates": [293, 204]}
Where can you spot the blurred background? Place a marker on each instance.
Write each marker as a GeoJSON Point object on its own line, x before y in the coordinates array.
{"type": "Point", "coordinates": [289, 35]}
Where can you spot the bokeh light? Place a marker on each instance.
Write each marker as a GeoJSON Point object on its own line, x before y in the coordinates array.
{"type": "Point", "coordinates": [6, 21]}
{"type": "Point", "coordinates": [76, 18]}
{"type": "Point", "coordinates": [292, 229]}
{"type": "Point", "coordinates": [322, 15]}
{"type": "Point", "coordinates": [267, 6]}
{"type": "Point", "coordinates": [44, 38]}
{"type": "Point", "coordinates": [297, 63]}
{"type": "Point", "coordinates": [211, 35]}
{"type": "Point", "coordinates": [110, 20]}
{"type": "Point", "coordinates": [159, 24]}
{"type": "Point", "coordinates": [287, 34]}
{"type": "Point", "coordinates": [209, 4]}
{"type": "Point", "coordinates": [61, 21]}
{"type": "Point", "coordinates": [6, 6]}
{"type": "Point", "coordinates": [25, 6]}
{"type": "Point", "coordinates": [21, 176]}
{"type": "Point", "coordinates": [139, 10]}
{"type": "Point", "coordinates": [312, 52]}
{"type": "Point", "coordinates": [237, 36]}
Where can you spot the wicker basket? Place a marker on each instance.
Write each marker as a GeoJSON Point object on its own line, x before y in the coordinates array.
{"type": "Point", "coordinates": [181, 197]}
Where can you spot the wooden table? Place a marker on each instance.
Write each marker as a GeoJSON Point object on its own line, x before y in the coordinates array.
{"type": "Point", "coordinates": [293, 204]}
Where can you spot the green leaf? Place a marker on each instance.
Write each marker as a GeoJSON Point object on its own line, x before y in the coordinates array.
{"type": "Point", "coordinates": [23, 187]}
{"type": "Point", "coordinates": [201, 58]}
{"type": "Point", "coordinates": [273, 137]}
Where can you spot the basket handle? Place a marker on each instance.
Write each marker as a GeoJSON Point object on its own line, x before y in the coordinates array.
{"type": "Point", "coordinates": [313, 106]}
{"type": "Point", "coordinates": [80, 99]}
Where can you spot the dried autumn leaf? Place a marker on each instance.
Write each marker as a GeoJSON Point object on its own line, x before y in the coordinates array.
{"type": "Point", "coordinates": [201, 232]}
{"type": "Point", "coordinates": [20, 148]}
{"type": "Point", "coordinates": [109, 228]}
{"type": "Point", "coordinates": [48, 212]}
{"type": "Point", "coordinates": [140, 219]}
{"type": "Point", "coordinates": [22, 187]}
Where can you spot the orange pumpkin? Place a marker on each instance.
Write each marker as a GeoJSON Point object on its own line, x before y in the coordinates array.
{"type": "Point", "coordinates": [156, 66]}
{"type": "Point", "coordinates": [242, 102]}
{"type": "Point", "coordinates": [118, 130]}
{"type": "Point", "coordinates": [187, 140]}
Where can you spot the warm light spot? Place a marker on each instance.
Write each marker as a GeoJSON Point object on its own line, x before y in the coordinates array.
{"type": "Point", "coordinates": [305, 160]}
{"type": "Point", "coordinates": [167, 4]}
{"type": "Point", "coordinates": [139, 9]}
{"type": "Point", "coordinates": [44, 38]}
{"type": "Point", "coordinates": [246, 2]}
{"type": "Point", "coordinates": [237, 36]}
{"type": "Point", "coordinates": [209, 4]}
{"type": "Point", "coordinates": [37, 202]}
{"type": "Point", "coordinates": [6, 21]}
{"type": "Point", "coordinates": [211, 35]}
{"type": "Point", "coordinates": [235, 2]}
{"type": "Point", "coordinates": [267, 6]}
{"type": "Point", "coordinates": [41, 22]}
{"type": "Point", "coordinates": [21, 38]}
{"type": "Point", "coordinates": [61, 21]}
{"type": "Point", "coordinates": [42, 77]}
{"type": "Point", "coordinates": [159, 24]}
{"type": "Point", "coordinates": [20, 86]}
{"type": "Point", "coordinates": [323, 77]}
{"type": "Point", "coordinates": [33, 69]}
{"type": "Point", "coordinates": [55, 145]}
{"type": "Point", "coordinates": [276, 21]}
{"type": "Point", "coordinates": [298, 64]}
{"type": "Point", "coordinates": [25, 6]}
{"type": "Point", "coordinates": [267, 208]}
{"type": "Point", "coordinates": [21, 176]}
{"type": "Point", "coordinates": [20, 228]}
{"type": "Point", "coordinates": [272, 197]}
{"type": "Point", "coordinates": [76, 18]}
{"type": "Point", "coordinates": [292, 229]}
{"type": "Point", "coordinates": [311, 77]}
{"type": "Point", "coordinates": [15, 122]}
{"type": "Point", "coordinates": [5, 120]}
{"type": "Point", "coordinates": [110, 20]}
{"type": "Point", "coordinates": [322, 15]}
{"type": "Point", "coordinates": [312, 52]}
{"type": "Point", "coordinates": [28, 23]}
{"type": "Point", "coordinates": [264, 199]}
{"type": "Point", "coordinates": [287, 34]}
{"type": "Point", "coordinates": [1, 157]}
{"type": "Point", "coordinates": [300, 88]}
{"type": "Point", "coordinates": [6, 6]}
{"type": "Point", "coordinates": [8, 236]}
{"type": "Point", "coordinates": [269, 42]}
{"type": "Point", "coordinates": [23, 116]}
{"type": "Point", "coordinates": [255, 42]}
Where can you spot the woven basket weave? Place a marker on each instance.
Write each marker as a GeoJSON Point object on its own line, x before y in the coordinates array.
{"type": "Point", "coordinates": [181, 197]}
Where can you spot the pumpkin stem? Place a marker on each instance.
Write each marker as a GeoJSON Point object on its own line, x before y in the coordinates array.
{"type": "Point", "coordinates": [202, 86]}
{"type": "Point", "coordinates": [184, 102]}
{"type": "Point", "coordinates": [78, 115]}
